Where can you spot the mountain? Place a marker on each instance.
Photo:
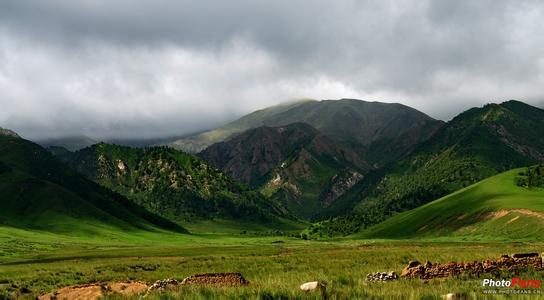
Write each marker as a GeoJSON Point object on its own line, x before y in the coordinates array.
{"type": "Point", "coordinates": [39, 193]}
{"type": "Point", "coordinates": [496, 208]}
{"type": "Point", "coordinates": [173, 184]}
{"type": "Point", "coordinates": [389, 130]}
{"type": "Point", "coordinates": [7, 132]}
{"type": "Point", "coordinates": [71, 143]}
{"type": "Point", "coordinates": [477, 144]}
{"type": "Point", "coordinates": [294, 164]}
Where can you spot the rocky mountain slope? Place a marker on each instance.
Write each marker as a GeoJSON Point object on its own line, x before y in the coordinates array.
{"type": "Point", "coordinates": [173, 184]}
{"type": "Point", "coordinates": [37, 192]}
{"type": "Point", "coordinates": [294, 164]}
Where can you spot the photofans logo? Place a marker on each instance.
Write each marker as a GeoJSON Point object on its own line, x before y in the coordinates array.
{"type": "Point", "coordinates": [513, 286]}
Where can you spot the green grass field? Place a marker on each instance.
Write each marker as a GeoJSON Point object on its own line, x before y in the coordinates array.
{"type": "Point", "coordinates": [495, 209]}
{"type": "Point", "coordinates": [275, 266]}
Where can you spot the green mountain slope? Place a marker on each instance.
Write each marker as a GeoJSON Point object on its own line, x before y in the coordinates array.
{"type": "Point", "coordinates": [294, 164]}
{"type": "Point", "coordinates": [38, 193]}
{"type": "Point", "coordinates": [173, 184]}
{"type": "Point", "coordinates": [389, 130]}
{"type": "Point", "coordinates": [493, 209]}
{"type": "Point", "coordinates": [476, 144]}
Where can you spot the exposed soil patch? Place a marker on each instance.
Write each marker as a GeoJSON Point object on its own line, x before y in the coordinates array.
{"type": "Point", "coordinates": [503, 212]}
{"type": "Point", "coordinates": [98, 290]}
{"type": "Point", "coordinates": [495, 214]}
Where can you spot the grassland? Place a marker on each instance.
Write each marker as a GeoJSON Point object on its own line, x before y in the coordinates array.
{"type": "Point", "coordinates": [275, 265]}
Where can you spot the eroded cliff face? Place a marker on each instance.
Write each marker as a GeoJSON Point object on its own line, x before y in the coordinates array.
{"type": "Point", "coordinates": [339, 185]}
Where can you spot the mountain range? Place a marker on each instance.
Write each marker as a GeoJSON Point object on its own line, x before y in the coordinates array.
{"type": "Point", "coordinates": [388, 130]}
{"type": "Point", "coordinates": [345, 165]}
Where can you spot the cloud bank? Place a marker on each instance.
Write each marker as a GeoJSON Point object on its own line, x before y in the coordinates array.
{"type": "Point", "coordinates": [131, 68]}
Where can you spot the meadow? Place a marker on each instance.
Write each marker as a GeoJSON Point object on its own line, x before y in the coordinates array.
{"type": "Point", "coordinates": [274, 265]}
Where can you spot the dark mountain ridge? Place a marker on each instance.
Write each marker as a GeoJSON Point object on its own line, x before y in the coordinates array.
{"type": "Point", "coordinates": [37, 192]}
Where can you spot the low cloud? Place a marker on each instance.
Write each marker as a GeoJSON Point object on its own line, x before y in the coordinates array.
{"type": "Point", "coordinates": [128, 69]}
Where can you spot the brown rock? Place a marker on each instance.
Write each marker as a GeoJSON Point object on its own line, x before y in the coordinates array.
{"type": "Point", "coordinates": [224, 279]}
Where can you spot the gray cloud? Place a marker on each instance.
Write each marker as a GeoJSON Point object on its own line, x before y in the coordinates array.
{"type": "Point", "coordinates": [155, 68]}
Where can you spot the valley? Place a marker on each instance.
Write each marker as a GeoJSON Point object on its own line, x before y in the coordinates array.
{"type": "Point", "coordinates": [284, 195]}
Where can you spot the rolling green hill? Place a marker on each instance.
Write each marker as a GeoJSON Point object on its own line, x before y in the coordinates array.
{"type": "Point", "coordinates": [493, 209]}
{"type": "Point", "coordinates": [388, 130]}
{"type": "Point", "coordinates": [294, 164]}
{"type": "Point", "coordinates": [173, 184]}
{"type": "Point", "coordinates": [38, 193]}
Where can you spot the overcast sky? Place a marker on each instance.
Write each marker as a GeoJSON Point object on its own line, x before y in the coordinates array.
{"type": "Point", "coordinates": [129, 68]}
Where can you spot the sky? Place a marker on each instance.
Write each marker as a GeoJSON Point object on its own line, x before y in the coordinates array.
{"type": "Point", "coordinates": [144, 69]}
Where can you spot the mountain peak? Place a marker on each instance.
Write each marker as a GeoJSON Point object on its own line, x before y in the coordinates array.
{"type": "Point", "coordinates": [344, 119]}
{"type": "Point", "coordinates": [7, 132]}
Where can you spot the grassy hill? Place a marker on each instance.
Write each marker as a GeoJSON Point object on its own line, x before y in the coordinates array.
{"type": "Point", "coordinates": [38, 193]}
{"type": "Point", "coordinates": [173, 184]}
{"type": "Point", "coordinates": [496, 208]}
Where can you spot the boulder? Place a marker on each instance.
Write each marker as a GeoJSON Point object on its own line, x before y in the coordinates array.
{"type": "Point", "coordinates": [312, 286]}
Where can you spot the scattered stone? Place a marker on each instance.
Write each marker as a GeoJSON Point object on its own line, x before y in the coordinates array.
{"type": "Point", "coordinates": [517, 262]}
{"type": "Point", "coordinates": [162, 284]}
{"type": "Point", "coordinates": [222, 279]}
{"type": "Point", "coordinates": [382, 276]}
{"type": "Point", "coordinates": [312, 286]}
